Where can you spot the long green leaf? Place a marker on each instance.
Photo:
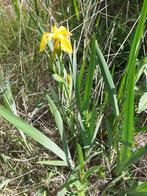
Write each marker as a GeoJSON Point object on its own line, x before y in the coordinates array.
{"type": "Point", "coordinates": [32, 132]}
{"type": "Point", "coordinates": [80, 160]}
{"type": "Point", "coordinates": [92, 124]}
{"type": "Point", "coordinates": [74, 66]}
{"type": "Point", "coordinates": [98, 123]}
{"type": "Point", "coordinates": [107, 80]}
{"type": "Point", "coordinates": [78, 85]}
{"type": "Point", "coordinates": [36, 7]}
{"type": "Point", "coordinates": [128, 124]}
{"type": "Point", "coordinates": [76, 6]}
{"type": "Point", "coordinates": [59, 123]}
{"type": "Point", "coordinates": [79, 79]}
{"type": "Point", "coordinates": [89, 78]}
{"type": "Point", "coordinates": [16, 7]}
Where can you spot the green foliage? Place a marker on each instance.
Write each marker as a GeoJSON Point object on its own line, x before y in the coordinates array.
{"type": "Point", "coordinates": [128, 124]}
{"type": "Point", "coordinates": [133, 158]}
{"type": "Point", "coordinates": [107, 80]}
{"type": "Point", "coordinates": [32, 132]}
{"type": "Point", "coordinates": [137, 189]}
{"type": "Point", "coordinates": [59, 124]}
{"type": "Point", "coordinates": [16, 7]}
{"type": "Point", "coordinates": [78, 93]}
{"type": "Point", "coordinates": [89, 78]}
{"type": "Point", "coordinates": [76, 6]}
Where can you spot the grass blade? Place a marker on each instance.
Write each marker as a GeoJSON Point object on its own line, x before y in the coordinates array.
{"type": "Point", "coordinates": [107, 80]}
{"type": "Point", "coordinates": [74, 65]}
{"type": "Point", "coordinates": [53, 163]}
{"type": "Point", "coordinates": [76, 6]}
{"type": "Point", "coordinates": [140, 129]}
{"type": "Point", "coordinates": [89, 78]}
{"type": "Point", "coordinates": [98, 123]}
{"type": "Point", "coordinates": [4, 183]}
{"type": "Point", "coordinates": [128, 124]}
{"type": "Point", "coordinates": [16, 7]}
{"type": "Point", "coordinates": [79, 78]}
{"type": "Point", "coordinates": [10, 103]}
{"type": "Point", "coordinates": [81, 161]}
{"type": "Point", "coordinates": [92, 124]}
{"type": "Point", "coordinates": [133, 158]}
{"type": "Point", "coordinates": [141, 68]}
{"type": "Point", "coordinates": [32, 132]}
{"type": "Point", "coordinates": [137, 189]}
{"type": "Point", "coordinates": [78, 87]}
{"type": "Point", "coordinates": [36, 7]}
{"type": "Point", "coordinates": [7, 97]}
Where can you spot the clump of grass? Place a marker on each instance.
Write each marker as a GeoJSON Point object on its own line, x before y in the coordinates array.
{"type": "Point", "coordinates": [76, 113]}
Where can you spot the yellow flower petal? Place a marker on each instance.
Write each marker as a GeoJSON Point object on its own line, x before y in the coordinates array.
{"type": "Point", "coordinates": [45, 37]}
{"type": "Point", "coordinates": [60, 31]}
{"type": "Point", "coordinates": [60, 36]}
{"type": "Point", "coordinates": [57, 44]}
{"type": "Point", "coordinates": [66, 45]}
{"type": "Point", "coordinates": [54, 29]}
{"type": "Point", "coordinates": [63, 31]}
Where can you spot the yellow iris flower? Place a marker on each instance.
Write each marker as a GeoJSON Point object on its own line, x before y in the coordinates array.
{"type": "Point", "coordinates": [60, 37]}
